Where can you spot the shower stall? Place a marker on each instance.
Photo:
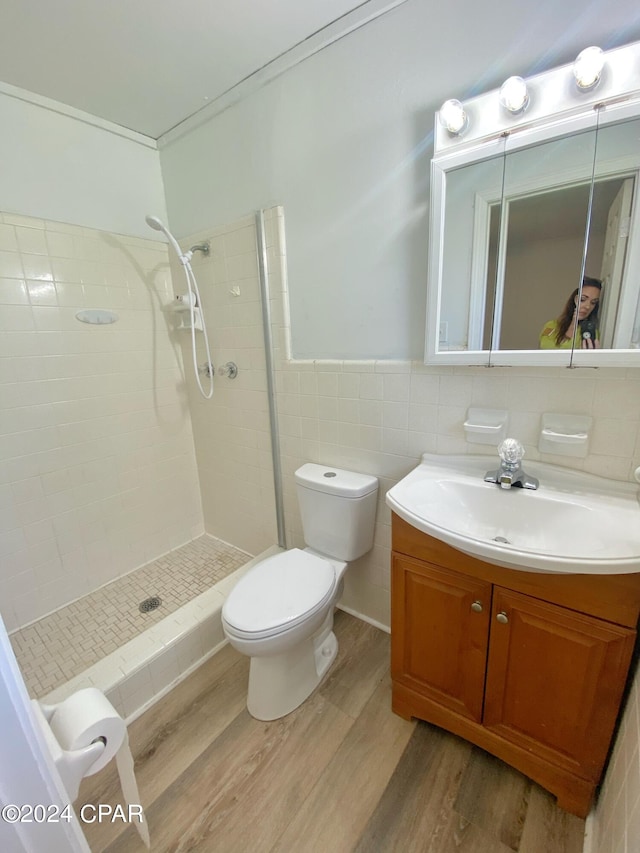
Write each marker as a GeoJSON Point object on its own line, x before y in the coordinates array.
{"type": "Point", "coordinates": [132, 501]}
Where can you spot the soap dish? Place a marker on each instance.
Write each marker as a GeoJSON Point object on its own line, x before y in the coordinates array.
{"type": "Point", "coordinates": [565, 435]}
{"type": "Point", "coordinates": [486, 426]}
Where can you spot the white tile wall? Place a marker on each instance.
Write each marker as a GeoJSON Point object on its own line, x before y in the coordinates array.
{"type": "Point", "coordinates": [97, 466]}
{"type": "Point", "coordinates": [231, 431]}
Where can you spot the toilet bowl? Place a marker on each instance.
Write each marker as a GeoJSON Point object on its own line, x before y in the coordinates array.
{"type": "Point", "coordinates": [280, 613]}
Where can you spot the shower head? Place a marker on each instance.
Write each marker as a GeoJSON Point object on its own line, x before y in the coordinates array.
{"type": "Point", "coordinates": [154, 222]}
{"type": "Point", "coordinates": [157, 225]}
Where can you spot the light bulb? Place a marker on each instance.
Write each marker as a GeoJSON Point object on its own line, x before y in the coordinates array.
{"type": "Point", "coordinates": [588, 66]}
{"type": "Point", "coordinates": [513, 95]}
{"type": "Point", "coordinates": [453, 117]}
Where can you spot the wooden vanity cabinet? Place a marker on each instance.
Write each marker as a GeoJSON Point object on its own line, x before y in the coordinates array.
{"type": "Point", "coordinates": [529, 666]}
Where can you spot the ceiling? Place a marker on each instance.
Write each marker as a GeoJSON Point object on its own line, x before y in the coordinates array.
{"type": "Point", "coordinates": [150, 64]}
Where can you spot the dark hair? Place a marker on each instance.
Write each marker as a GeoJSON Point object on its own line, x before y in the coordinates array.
{"type": "Point", "coordinates": [564, 320]}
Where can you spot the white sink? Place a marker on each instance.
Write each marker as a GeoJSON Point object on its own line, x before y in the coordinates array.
{"type": "Point", "coordinates": [573, 523]}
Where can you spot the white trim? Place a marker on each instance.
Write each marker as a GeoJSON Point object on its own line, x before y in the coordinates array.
{"type": "Point", "coordinates": [629, 302]}
{"type": "Point", "coordinates": [363, 618]}
{"type": "Point", "coordinates": [539, 358]}
{"type": "Point", "coordinates": [501, 268]}
{"type": "Point", "coordinates": [78, 115]}
{"type": "Point", "coordinates": [27, 773]}
{"type": "Point", "coordinates": [436, 259]}
{"type": "Point", "coordinates": [479, 262]}
{"type": "Point", "coordinates": [333, 32]}
{"type": "Point", "coordinates": [589, 831]}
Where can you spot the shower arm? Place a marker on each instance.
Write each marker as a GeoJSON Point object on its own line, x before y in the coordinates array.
{"type": "Point", "coordinates": [205, 248]}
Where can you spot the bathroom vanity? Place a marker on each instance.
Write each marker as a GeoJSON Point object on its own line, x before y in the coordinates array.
{"type": "Point", "coordinates": [530, 666]}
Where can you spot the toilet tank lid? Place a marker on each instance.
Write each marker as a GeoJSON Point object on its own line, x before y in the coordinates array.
{"type": "Point", "coordinates": [335, 481]}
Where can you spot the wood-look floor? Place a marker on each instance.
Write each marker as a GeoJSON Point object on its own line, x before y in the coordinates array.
{"type": "Point", "coordinates": [340, 774]}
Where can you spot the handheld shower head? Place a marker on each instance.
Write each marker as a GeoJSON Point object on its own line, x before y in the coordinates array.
{"type": "Point", "coordinates": [157, 225]}
{"type": "Point", "coordinates": [194, 299]}
{"type": "Point", "coordinates": [154, 222]}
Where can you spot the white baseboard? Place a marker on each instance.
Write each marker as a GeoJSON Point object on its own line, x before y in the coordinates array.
{"type": "Point", "coordinates": [589, 832]}
{"type": "Point", "coordinates": [364, 618]}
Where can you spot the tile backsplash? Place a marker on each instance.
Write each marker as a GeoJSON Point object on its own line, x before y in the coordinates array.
{"type": "Point", "coordinates": [97, 465]}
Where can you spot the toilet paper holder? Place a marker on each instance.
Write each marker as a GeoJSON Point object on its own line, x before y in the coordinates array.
{"type": "Point", "coordinates": [83, 733]}
{"type": "Point", "coordinates": [72, 765]}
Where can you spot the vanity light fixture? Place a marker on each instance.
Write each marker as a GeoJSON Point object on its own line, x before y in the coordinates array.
{"type": "Point", "coordinates": [453, 117]}
{"type": "Point", "coordinates": [587, 69]}
{"type": "Point", "coordinates": [514, 96]}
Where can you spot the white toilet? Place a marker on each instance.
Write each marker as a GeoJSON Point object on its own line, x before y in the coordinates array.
{"type": "Point", "coordinates": [280, 613]}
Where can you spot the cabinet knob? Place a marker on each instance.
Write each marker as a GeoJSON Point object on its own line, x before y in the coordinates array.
{"type": "Point", "coordinates": [477, 607]}
{"type": "Point", "coordinates": [502, 618]}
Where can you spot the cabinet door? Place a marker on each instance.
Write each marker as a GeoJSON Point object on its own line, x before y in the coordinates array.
{"type": "Point", "coordinates": [439, 631]}
{"type": "Point", "coordinates": [555, 680]}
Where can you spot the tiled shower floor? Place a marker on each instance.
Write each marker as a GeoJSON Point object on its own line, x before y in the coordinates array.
{"type": "Point", "coordinates": [65, 643]}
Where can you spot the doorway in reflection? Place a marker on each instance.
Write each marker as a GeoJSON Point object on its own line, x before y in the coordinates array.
{"type": "Point", "coordinates": [545, 238]}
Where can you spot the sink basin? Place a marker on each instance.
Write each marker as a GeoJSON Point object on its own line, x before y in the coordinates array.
{"type": "Point", "coordinates": [573, 523]}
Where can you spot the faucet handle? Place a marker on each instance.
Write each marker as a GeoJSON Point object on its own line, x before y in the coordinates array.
{"type": "Point", "coordinates": [510, 451]}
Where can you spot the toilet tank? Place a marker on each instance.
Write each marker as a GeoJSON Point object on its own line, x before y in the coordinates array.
{"type": "Point", "coordinates": [338, 510]}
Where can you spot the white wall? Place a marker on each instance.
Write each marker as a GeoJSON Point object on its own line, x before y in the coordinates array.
{"type": "Point", "coordinates": [61, 165]}
{"type": "Point", "coordinates": [539, 278]}
{"type": "Point", "coordinates": [343, 142]}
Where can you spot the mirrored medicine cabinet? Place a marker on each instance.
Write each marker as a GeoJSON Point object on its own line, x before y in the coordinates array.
{"type": "Point", "coordinates": [523, 207]}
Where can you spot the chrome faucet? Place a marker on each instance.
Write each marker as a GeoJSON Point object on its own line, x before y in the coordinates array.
{"type": "Point", "coordinates": [510, 472]}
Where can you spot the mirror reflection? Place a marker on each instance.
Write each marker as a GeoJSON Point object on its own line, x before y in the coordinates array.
{"type": "Point", "coordinates": [545, 244]}
{"type": "Point", "coordinates": [536, 247]}
{"type": "Point", "coordinates": [471, 204]}
{"type": "Point", "coordinates": [615, 243]}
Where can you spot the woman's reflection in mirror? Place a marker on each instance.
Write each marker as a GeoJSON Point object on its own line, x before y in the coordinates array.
{"type": "Point", "coordinates": [577, 325]}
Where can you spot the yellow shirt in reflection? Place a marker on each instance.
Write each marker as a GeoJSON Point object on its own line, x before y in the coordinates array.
{"type": "Point", "coordinates": [549, 333]}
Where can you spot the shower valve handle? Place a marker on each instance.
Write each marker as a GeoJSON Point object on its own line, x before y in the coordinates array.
{"type": "Point", "coordinates": [230, 370]}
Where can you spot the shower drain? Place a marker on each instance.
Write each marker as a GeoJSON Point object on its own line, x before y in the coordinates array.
{"type": "Point", "coordinates": [501, 539]}
{"type": "Point", "coordinates": [149, 604]}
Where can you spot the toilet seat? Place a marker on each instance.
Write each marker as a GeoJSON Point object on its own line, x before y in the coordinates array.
{"type": "Point", "coordinates": [278, 594]}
